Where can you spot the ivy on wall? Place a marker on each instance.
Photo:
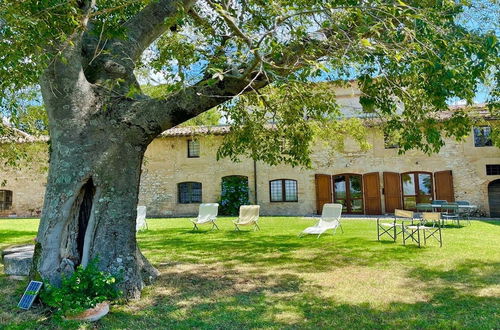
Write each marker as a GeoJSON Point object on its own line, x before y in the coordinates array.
{"type": "Point", "coordinates": [234, 193]}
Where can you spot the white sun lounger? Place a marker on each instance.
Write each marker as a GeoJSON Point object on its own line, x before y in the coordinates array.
{"type": "Point", "coordinates": [249, 215]}
{"type": "Point", "coordinates": [207, 214]}
{"type": "Point", "coordinates": [330, 219]}
{"type": "Point", "coordinates": [140, 221]}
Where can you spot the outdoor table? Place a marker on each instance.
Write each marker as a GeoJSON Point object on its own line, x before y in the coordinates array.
{"type": "Point", "coordinates": [457, 210]}
{"type": "Point", "coordinates": [427, 207]}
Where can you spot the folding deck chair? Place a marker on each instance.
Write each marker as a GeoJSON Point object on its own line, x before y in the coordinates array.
{"type": "Point", "coordinates": [249, 215]}
{"type": "Point", "coordinates": [430, 227]}
{"type": "Point", "coordinates": [393, 228]}
{"type": "Point", "coordinates": [207, 213]}
{"type": "Point", "coordinates": [330, 219]}
{"type": "Point", "coordinates": [140, 221]}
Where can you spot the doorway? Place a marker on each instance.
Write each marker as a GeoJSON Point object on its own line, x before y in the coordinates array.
{"type": "Point", "coordinates": [494, 198]}
{"type": "Point", "coordinates": [348, 191]}
{"type": "Point", "coordinates": [417, 188]}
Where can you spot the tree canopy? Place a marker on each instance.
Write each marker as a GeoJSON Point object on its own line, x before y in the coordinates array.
{"type": "Point", "coordinates": [410, 58]}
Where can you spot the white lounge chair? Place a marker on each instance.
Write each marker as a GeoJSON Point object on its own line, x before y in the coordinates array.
{"type": "Point", "coordinates": [249, 215]}
{"type": "Point", "coordinates": [207, 214]}
{"type": "Point", "coordinates": [330, 219]}
{"type": "Point", "coordinates": [140, 221]}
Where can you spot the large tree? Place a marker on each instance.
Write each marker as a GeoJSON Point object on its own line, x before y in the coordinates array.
{"type": "Point", "coordinates": [409, 58]}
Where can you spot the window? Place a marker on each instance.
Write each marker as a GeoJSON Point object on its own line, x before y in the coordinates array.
{"type": "Point", "coordinates": [493, 169]}
{"type": "Point", "coordinates": [189, 192]}
{"type": "Point", "coordinates": [193, 148]}
{"type": "Point", "coordinates": [283, 190]}
{"type": "Point", "coordinates": [482, 136]}
{"type": "Point", "coordinates": [417, 188]}
{"type": "Point", "coordinates": [348, 191]}
{"type": "Point", "coordinates": [5, 200]}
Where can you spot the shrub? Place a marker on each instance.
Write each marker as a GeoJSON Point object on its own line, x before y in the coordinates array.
{"type": "Point", "coordinates": [234, 193]}
{"type": "Point", "coordinates": [84, 289]}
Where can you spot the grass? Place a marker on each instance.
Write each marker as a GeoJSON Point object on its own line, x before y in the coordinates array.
{"type": "Point", "coordinates": [273, 279]}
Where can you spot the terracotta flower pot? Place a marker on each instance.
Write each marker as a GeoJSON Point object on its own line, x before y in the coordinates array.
{"type": "Point", "coordinates": [92, 314]}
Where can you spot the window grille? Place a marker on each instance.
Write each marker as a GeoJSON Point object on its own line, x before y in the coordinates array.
{"type": "Point", "coordinates": [283, 190]}
{"type": "Point", "coordinates": [193, 148]}
{"type": "Point", "coordinates": [5, 200]}
{"type": "Point", "coordinates": [482, 136]}
{"type": "Point", "coordinates": [189, 192]}
{"type": "Point", "coordinates": [493, 169]}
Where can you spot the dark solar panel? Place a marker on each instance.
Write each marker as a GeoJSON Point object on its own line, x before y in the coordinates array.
{"type": "Point", "coordinates": [30, 294]}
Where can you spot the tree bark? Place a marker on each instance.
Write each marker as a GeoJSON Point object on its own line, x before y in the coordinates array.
{"type": "Point", "coordinates": [98, 135]}
{"type": "Point", "coordinates": [92, 189]}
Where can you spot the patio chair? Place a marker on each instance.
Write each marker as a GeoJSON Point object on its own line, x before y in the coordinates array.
{"type": "Point", "coordinates": [330, 219]}
{"type": "Point", "coordinates": [466, 212]}
{"type": "Point", "coordinates": [450, 211]}
{"type": "Point", "coordinates": [207, 213]}
{"type": "Point", "coordinates": [393, 228]}
{"type": "Point", "coordinates": [249, 215]}
{"type": "Point", "coordinates": [437, 203]}
{"type": "Point", "coordinates": [430, 226]}
{"type": "Point", "coordinates": [140, 221]}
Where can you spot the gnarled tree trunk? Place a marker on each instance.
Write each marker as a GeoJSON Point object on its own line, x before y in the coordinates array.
{"type": "Point", "coordinates": [100, 126]}
{"type": "Point", "coordinates": [92, 192]}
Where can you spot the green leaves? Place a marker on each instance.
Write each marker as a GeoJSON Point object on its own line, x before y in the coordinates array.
{"type": "Point", "coordinates": [278, 124]}
{"type": "Point", "coordinates": [409, 57]}
{"type": "Point", "coordinates": [84, 289]}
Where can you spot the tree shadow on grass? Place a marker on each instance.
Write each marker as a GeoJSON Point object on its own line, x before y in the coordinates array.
{"type": "Point", "coordinates": [15, 237]}
{"type": "Point", "coordinates": [299, 254]}
{"type": "Point", "coordinates": [204, 296]}
{"type": "Point", "coordinates": [470, 274]}
{"type": "Point", "coordinates": [495, 222]}
{"type": "Point", "coordinates": [211, 293]}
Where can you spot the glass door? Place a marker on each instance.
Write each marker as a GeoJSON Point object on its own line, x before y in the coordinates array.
{"type": "Point", "coordinates": [417, 188]}
{"type": "Point", "coordinates": [348, 191]}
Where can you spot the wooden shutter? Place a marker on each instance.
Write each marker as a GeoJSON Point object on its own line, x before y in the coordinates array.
{"type": "Point", "coordinates": [392, 191]}
{"type": "Point", "coordinates": [323, 191]}
{"type": "Point", "coordinates": [371, 191]}
{"type": "Point", "coordinates": [444, 186]}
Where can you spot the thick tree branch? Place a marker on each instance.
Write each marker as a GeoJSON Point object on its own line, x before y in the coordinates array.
{"type": "Point", "coordinates": [190, 102]}
{"type": "Point", "coordinates": [151, 22]}
{"type": "Point", "coordinates": [64, 78]}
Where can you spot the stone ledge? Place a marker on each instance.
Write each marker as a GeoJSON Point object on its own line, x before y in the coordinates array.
{"type": "Point", "coordinates": [17, 260]}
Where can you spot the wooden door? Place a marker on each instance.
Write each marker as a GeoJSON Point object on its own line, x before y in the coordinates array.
{"type": "Point", "coordinates": [323, 191]}
{"type": "Point", "coordinates": [371, 190]}
{"type": "Point", "coordinates": [392, 191]}
{"type": "Point", "coordinates": [348, 191]}
{"type": "Point", "coordinates": [444, 186]}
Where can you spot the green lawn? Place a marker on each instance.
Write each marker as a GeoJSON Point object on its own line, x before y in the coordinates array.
{"type": "Point", "coordinates": [273, 279]}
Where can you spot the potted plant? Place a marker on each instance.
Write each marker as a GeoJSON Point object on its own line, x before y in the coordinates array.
{"type": "Point", "coordinates": [83, 296]}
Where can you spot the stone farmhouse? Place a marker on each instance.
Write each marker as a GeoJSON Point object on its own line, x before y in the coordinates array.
{"type": "Point", "coordinates": [181, 171]}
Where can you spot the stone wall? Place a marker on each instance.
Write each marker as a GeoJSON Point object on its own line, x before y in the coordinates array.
{"type": "Point", "coordinates": [166, 164]}
{"type": "Point", "coordinates": [27, 183]}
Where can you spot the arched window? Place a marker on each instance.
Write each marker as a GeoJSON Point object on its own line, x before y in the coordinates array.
{"type": "Point", "coordinates": [283, 190]}
{"type": "Point", "coordinates": [417, 188]}
{"type": "Point", "coordinates": [5, 200]}
{"type": "Point", "coordinates": [189, 192]}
